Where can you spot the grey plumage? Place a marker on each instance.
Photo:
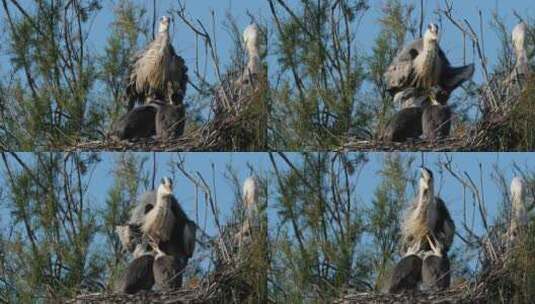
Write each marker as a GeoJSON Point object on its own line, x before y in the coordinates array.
{"type": "Point", "coordinates": [170, 121]}
{"type": "Point", "coordinates": [137, 276]}
{"type": "Point", "coordinates": [404, 125]}
{"type": "Point", "coordinates": [157, 225]}
{"type": "Point", "coordinates": [427, 215]}
{"type": "Point", "coordinates": [137, 123]}
{"type": "Point", "coordinates": [436, 268]}
{"type": "Point", "coordinates": [436, 121]}
{"type": "Point", "coordinates": [168, 272]}
{"type": "Point", "coordinates": [436, 272]}
{"type": "Point", "coordinates": [183, 233]}
{"type": "Point", "coordinates": [407, 273]}
{"type": "Point", "coordinates": [157, 73]}
{"type": "Point", "coordinates": [423, 64]}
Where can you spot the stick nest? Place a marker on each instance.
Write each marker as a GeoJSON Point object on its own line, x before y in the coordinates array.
{"type": "Point", "coordinates": [466, 292]}
{"type": "Point", "coordinates": [224, 286]}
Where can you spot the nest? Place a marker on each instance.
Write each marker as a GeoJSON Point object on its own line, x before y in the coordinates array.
{"type": "Point", "coordinates": [215, 135]}
{"type": "Point", "coordinates": [479, 292]}
{"type": "Point", "coordinates": [224, 286]}
{"type": "Point", "coordinates": [484, 136]}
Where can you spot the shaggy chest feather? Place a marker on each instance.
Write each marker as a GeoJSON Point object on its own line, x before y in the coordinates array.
{"type": "Point", "coordinates": [159, 222]}
{"type": "Point", "coordinates": [427, 67]}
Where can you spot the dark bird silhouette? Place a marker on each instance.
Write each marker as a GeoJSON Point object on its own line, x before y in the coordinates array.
{"type": "Point", "coordinates": [138, 275]}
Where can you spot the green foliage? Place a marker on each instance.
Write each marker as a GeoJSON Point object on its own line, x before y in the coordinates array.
{"type": "Point", "coordinates": [130, 179]}
{"type": "Point", "coordinates": [129, 29]}
{"type": "Point", "coordinates": [320, 226]}
{"type": "Point", "coordinates": [49, 255]}
{"type": "Point", "coordinates": [54, 73]}
{"type": "Point", "coordinates": [384, 227]}
{"type": "Point", "coordinates": [395, 23]}
{"type": "Point", "coordinates": [320, 72]}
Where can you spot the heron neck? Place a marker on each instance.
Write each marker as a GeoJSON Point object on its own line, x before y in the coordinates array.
{"type": "Point", "coordinates": [424, 200]}
{"type": "Point", "coordinates": [519, 210]}
{"type": "Point", "coordinates": [430, 47]}
{"type": "Point", "coordinates": [254, 64]}
{"type": "Point", "coordinates": [521, 57]}
{"type": "Point", "coordinates": [164, 37]}
{"type": "Point", "coordinates": [161, 200]}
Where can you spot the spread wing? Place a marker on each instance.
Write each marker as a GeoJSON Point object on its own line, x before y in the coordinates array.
{"type": "Point", "coordinates": [400, 73]}
{"type": "Point", "coordinates": [445, 230]}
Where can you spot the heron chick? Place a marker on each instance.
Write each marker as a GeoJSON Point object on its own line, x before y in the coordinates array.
{"type": "Point", "coordinates": [435, 267]}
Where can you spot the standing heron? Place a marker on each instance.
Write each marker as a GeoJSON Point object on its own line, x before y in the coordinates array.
{"type": "Point", "coordinates": [183, 230]}
{"type": "Point", "coordinates": [250, 202]}
{"type": "Point", "coordinates": [519, 215]}
{"type": "Point", "coordinates": [236, 90]}
{"type": "Point", "coordinates": [407, 272]}
{"type": "Point", "coordinates": [423, 65]}
{"type": "Point", "coordinates": [427, 215]}
{"type": "Point", "coordinates": [159, 221]}
{"type": "Point", "coordinates": [157, 73]}
{"type": "Point", "coordinates": [436, 267]}
{"type": "Point", "coordinates": [521, 69]}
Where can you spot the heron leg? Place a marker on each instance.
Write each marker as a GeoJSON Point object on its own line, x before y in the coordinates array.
{"type": "Point", "coordinates": [435, 246]}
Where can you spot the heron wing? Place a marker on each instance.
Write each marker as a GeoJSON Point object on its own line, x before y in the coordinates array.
{"type": "Point", "coordinates": [446, 226]}
{"type": "Point", "coordinates": [400, 73]}
{"type": "Point", "coordinates": [186, 229]}
{"type": "Point", "coordinates": [453, 77]}
{"type": "Point", "coordinates": [179, 77]}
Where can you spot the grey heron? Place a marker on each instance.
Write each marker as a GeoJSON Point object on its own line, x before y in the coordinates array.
{"type": "Point", "coordinates": [423, 65]}
{"type": "Point", "coordinates": [427, 215]}
{"type": "Point", "coordinates": [157, 72]}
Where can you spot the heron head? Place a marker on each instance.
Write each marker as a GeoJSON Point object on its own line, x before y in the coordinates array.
{"type": "Point", "coordinates": [252, 39]}
{"type": "Point", "coordinates": [517, 188]}
{"type": "Point", "coordinates": [519, 36]}
{"type": "Point", "coordinates": [164, 24]}
{"type": "Point", "coordinates": [432, 33]}
{"type": "Point", "coordinates": [426, 179]}
{"type": "Point", "coordinates": [166, 186]}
